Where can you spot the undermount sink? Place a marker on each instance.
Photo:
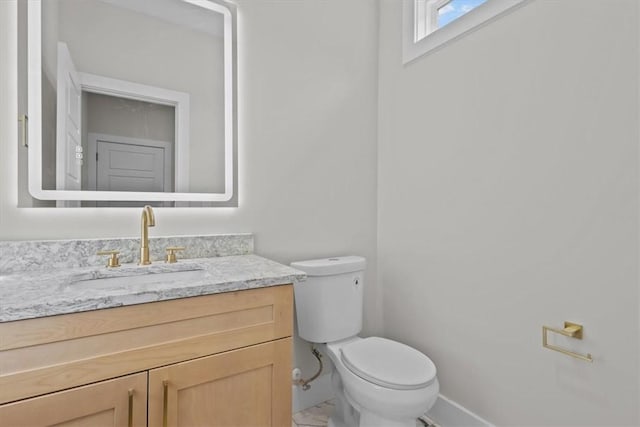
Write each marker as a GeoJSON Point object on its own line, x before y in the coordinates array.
{"type": "Point", "coordinates": [136, 278]}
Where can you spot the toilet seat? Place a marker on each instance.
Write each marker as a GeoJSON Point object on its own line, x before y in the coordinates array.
{"type": "Point", "coordinates": [388, 363]}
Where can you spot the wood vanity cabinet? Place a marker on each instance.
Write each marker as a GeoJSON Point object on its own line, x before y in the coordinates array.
{"type": "Point", "coordinates": [217, 360]}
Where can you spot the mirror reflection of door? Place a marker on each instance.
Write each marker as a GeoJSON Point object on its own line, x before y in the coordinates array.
{"type": "Point", "coordinates": [69, 145]}
{"type": "Point", "coordinates": [108, 142]}
{"type": "Point", "coordinates": [129, 164]}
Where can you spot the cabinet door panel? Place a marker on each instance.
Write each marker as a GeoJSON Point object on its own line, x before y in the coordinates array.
{"type": "Point", "coordinates": [245, 387]}
{"type": "Point", "coordinates": [103, 404]}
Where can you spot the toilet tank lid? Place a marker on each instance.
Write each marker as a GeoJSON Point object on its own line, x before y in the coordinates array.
{"type": "Point", "coordinates": [329, 266]}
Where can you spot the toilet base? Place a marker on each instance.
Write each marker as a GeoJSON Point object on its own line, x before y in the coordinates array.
{"type": "Point", "coordinates": [347, 413]}
{"type": "Point", "coordinates": [344, 415]}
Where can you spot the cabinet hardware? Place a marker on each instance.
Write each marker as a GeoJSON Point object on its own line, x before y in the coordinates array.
{"type": "Point", "coordinates": [130, 407]}
{"type": "Point", "coordinates": [165, 403]}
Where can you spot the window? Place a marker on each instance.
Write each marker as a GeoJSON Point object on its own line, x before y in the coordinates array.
{"type": "Point", "coordinates": [454, 9]}
{"type": "Point", "coordinates": [429, 24]}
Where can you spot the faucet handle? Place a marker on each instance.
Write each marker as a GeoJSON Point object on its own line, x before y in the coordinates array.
{"type": "Point", "coordinates": [171, 253]}
{"type": "Point", "coordinates": [114, 261]}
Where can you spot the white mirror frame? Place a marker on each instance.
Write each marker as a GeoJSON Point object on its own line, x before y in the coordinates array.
{"type": "Point", "coordinates": [34, 96]}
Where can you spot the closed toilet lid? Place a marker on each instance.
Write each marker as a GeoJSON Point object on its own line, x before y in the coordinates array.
{"type": "Point", "coordinates": [388, 363]}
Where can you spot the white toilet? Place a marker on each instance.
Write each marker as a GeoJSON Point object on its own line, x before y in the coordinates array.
{"type": "Point", "coordinates": [377, 382]}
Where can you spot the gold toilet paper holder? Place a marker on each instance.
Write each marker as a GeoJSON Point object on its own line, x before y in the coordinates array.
{"type": "Point", "coordinates": [571, 330]}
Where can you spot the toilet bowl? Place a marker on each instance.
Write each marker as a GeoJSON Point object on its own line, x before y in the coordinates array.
{"type": "Point", "coordinates": [376, 381]}
{"type": "Point", "coordinates": [381, 389]}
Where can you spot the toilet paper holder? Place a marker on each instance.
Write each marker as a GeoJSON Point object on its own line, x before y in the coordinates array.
{"type": "Point", "coordinates": [571, 330]}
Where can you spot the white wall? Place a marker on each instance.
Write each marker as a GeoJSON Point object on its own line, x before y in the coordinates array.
{"type": "Point", "coordinates": [508, 199]}
{"type": "Point", "coordinates": [307, 142]}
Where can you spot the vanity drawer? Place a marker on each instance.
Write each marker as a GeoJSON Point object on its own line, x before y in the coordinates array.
{"type": "Point", "coordinates": [43, 355]}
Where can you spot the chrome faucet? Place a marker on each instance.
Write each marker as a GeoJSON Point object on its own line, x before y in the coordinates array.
{"type": "Point", "coordinates": [148, 220]}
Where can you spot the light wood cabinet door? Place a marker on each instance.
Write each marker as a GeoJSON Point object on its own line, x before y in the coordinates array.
{"type": "Point", "coordinates": [250, 386]}
{"type": "Point", "coordinates": [102, 404]}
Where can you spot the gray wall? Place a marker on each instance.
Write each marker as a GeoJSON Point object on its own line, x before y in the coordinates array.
{"type": "Point", "coordinates": [508, 200]}
{"type": "Point", "coordinates": [49, 100]}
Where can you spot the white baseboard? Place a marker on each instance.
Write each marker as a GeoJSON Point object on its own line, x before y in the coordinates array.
{"type": "Point", "coordinates": [319, 392]}
{"type": "Point", "coordinates": [447, 413]}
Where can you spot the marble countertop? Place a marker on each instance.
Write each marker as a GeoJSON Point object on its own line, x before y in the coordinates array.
{"type": "Point", "coordinates": [31, 294]}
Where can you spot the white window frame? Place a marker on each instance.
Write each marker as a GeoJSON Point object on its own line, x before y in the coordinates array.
{"type": "Point", "coordinates": [420, 20]}
{"type": "Point", "coordinates": [426, 16]}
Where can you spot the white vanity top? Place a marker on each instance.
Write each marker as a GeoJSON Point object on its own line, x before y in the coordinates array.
{"type": "Point", "coordinates": [32, 293]}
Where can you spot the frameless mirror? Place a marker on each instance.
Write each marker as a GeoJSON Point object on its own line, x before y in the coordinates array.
{"type": "Point", "coordinates": [130, 101]}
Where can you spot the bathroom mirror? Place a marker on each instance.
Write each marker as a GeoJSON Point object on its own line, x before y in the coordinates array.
{"type": "Point", "coordinates": [130, 101]}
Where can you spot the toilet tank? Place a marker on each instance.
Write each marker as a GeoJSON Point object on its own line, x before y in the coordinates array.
{"type": "Point", "coordinates": [329, 302]}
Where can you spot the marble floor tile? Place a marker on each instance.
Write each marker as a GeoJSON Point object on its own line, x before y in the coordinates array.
{"type": "Point", "coordinates": [316, 416]}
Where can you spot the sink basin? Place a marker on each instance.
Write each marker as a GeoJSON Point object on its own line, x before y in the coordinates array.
{"type": "Point", "coordinates": [140, 278]}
